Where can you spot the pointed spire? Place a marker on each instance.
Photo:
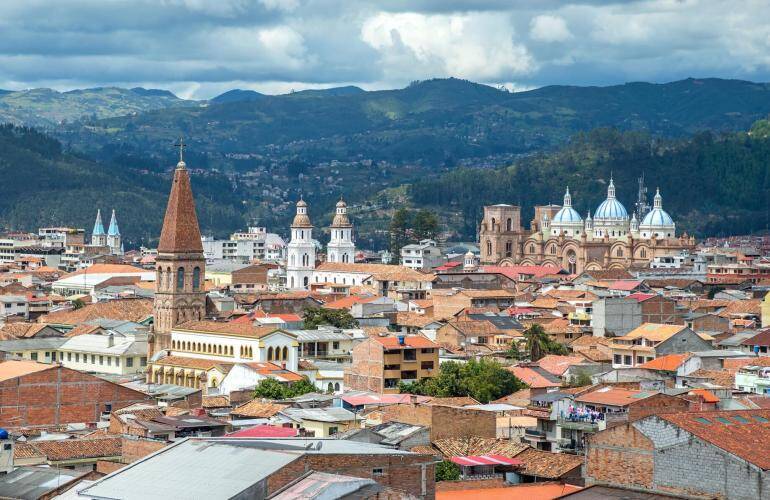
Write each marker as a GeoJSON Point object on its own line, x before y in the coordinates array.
{"type": "Point", "coordinates": [98, 226]}
{"type": "Point", "coordinates": [113, 230]}
{"type": "Point", "coordinates": [611, 189]}
{"type": "Point", "coordinates": [567, 198]}
{"type": "Point", "coordinates": [181, 233]}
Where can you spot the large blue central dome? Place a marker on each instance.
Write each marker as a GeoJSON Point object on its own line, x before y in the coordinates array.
{"type": "Point", "coordinates": [611, 208]}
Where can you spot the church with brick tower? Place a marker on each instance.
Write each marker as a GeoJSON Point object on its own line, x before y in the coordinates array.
{"type": "Point", "coordinates": [180, 294]}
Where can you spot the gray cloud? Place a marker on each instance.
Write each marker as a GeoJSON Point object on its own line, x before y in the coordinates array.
{"type": "Point", "coordinates": [202, 47]}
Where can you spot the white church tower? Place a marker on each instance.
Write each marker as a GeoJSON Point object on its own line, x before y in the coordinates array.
{"type": "Point", "coordinates": [341, 247]}
{"type": "Point", "coordinates": [114, 240]}
{"type": "Point", "coordinates": [300, 261]}
{"type": "Point", "coordinates": [98, 236]}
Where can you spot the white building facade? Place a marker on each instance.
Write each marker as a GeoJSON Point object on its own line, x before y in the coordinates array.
{"type": "Point", "coordinates": [341, 247]}
{"type": "Point", "coordinates": [301, 252]}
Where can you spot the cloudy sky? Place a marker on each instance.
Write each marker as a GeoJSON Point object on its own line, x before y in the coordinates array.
{"type": "Point", "coordinates": [200, 48]}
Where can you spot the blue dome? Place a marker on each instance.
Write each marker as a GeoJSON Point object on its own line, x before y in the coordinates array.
{"type": "Point", "coordinates": [566, 215]}
{"type": "Point", "coordinates": [656, 218]}
{"type": "Point", "coordinates": [611, 208]}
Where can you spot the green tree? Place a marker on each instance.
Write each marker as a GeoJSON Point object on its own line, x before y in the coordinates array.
{"type": "Point", "coordinates": [582, 379]}
{"type": "Point", "coordinates": [537, 341]}
{"type": "Point", "coordinates": [483, 380]}
{"type": "Point", "coordinates": [78, 304]}
{"type": "Point", "coordinates": [270, 388]}
{"type": "Point", "coordinates": [299, 388]}
{"type": "Point", "coordinates": [447, 471]}
{"type": "Point", "coordinates": [338, 318]}
{"type": "Point", "coordinates": [425, 225]}
{"type": "Point", "coordinates": [399, 226]}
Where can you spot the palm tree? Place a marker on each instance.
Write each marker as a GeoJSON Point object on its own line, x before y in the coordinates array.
{"type": "Point", "coordinates": [537, 342]}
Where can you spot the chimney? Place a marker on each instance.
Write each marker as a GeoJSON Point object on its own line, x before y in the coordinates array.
{"type": "Point", "coordinates": [110, 340]}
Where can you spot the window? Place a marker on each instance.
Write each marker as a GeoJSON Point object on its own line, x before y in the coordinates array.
{"type": "Point", "coordinates": [129, 362]}
{"type": "Point", "coordinates": [509, 225]}
{"type": "Point", "coordinates": [33, 356]}
{"type": "Point", "coordinates": [69, 356]}
{"type": "Point", "coordinates": [196, 279]}
{"type": "Point", "coordinates": [618, 359]}
{"type": "Point", "coordinates": [378, 472]}
{"type": "Point", "coordinates": [109, 360]}
{"type": "Point", "coordinates": [426, 365]}
{"type": "Point", "coordinates": [489, 248]}
{"type": "Point", "coordinates": [285, 354]}
{"type": "Point", "coordinates": [639, 360]}
{"type": "Point", "coordinates": [333, 431]}
{"type": "Point", "coordinates": [703, 420]}
{"type": "Point", "coordinates": [335, 345]}
{"type": "Point", "coordinates": [143, 361]}
{"type": "Point", "coordinates": [77, 357]}
{"type": "Point", "coordinates": [101, 360]}
{"type": "Point", "coordinates": [627, 360]}
{"type": "Point", "coordinates": [180, 278]}
{"type": "Point", "coordinates": [336, 386]}
{"type": "Point", "coordinates": [269, 353]}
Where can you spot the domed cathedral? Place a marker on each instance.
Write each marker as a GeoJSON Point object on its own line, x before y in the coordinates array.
{"type": "Point", "coordinates": [341, 247]}
{"type": "Point", "coordinates": [558, 236]}
{"type": "Point", "coordinates": [300, 261]}
{"type": "Point", "coordinates": [180, 294]}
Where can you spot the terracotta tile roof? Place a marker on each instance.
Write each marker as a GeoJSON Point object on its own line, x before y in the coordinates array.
{"type": "Point", "coordinates": [21, 330]}
{"type": "Point", "coordinates": [705, 394]}
{"type": "Point", "coordinates": [456, 401]}
{"type": "Point", "coordinates": [548, 465]}
{"type": "Point", "coordinates": [734, 363]}
{"type": "Point", "coordinates": [737, 431]}
{"type": "Point", "coordinates": [722, 378]}
{"type": "Point", "coordinates": [83, 329]}
{"type": "Point", "coordinates": [469, 446]}
{"type": "Point", "coordinates": [16, 368]}
{"type": "Point", "coordinates": [107, 269]}
{"type": "Point", "coordinates": [557, 365]}
{"type": "Point", "coordinates": [624, 285]}
{"type": "Point", "coordinates": [533, 378]}
{"type": "Point", "coordinates": [516, 272]}
{"type": "Point", "coordinates": [595, 355]}
{"type": "Point", "coordinates": [347, 302]}
{"type": "Point", "coordinates": [23, 450]}
{"type": "Point", "coordinates": [589, 340]}
{"type": "Point", "coordinates": [417, 341]}
{"type": "Point", "coordinates": [640, 297]}
{"type": "Point", "coordinates": [481, 294]}
{"type": "Point", "coordinates": [474, 327]}
{"type": "Point", "coordinates": [380, 272]}
{"type": "Point", "coordinates": [654, 331]}
{"type": "Point", "coordinates": [194, 363]}
{"type": "Point", "coordinates": [180, 232]}
{"type": "Point", "coordinates": [230, 328]}
{"type": "Point", "coordinates": [121, 309]}
{"type": "Point", "coordinates": [540, 491]}
{"type": "Point", "coordinates": [76, 449]}
{"type": "Point", "coordinates": [741, 307]}
{"type": "Point", "coordinates": [761, 338]}
{"type": "Point", "coordinates": [609, 274]}
{"type": "Point", "coordinates": [518, 398]}
{"type": "Point", "coordinates": [569, 294]}
{"type": "Point", "coordinates": [215, 402]}
{"type": "Point", "coordinates": [614, 397]}
{"type": "Point", "coordinates": [274, 371]}
{"type": "Point", "coordinates": [667, 363]}
{"type": "Point", "coordinates": [413, 319]}
{"type": "Point", "coordinates": [543, 302]}
{"type": "Point", "coordinates": [674, 282]}
{"type": "Point", "coordinates": [258, 409]}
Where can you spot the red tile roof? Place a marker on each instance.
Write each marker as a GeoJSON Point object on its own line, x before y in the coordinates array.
{"type": "Point", "coordinates": [473, 460]}
{"type": "Point", "coordinates": [557, 365]}
{"type": "Point", "coordinates": [667, 363]}
{"type": "Point", "coordinates": [744, 433]}
{"type": "Point", "coordinates": [532, 378]}
{"type": "Point", "coordinates": [761, 338]}
{"type": "Point", "coordinates": [614, 397]}
{"type": "Point", "coordinates": [515, 272]}
{"type": "Point", "coordinates": [416, 341]}
{"type": "Point", "coordinates": [180, 232]}
{"type": "Point", "coordinates": [264, 431]}
{"type": "Point", "coordinates": [640, 297]}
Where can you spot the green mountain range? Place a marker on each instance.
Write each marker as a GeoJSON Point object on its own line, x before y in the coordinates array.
{"type": "Point", "coordinates": [450, 145]}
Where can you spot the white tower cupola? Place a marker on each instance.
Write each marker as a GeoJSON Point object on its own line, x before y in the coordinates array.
{"type": "Point", "coordinates": [341, 247]}
{"type": "Point", "coordinates": [300, 261]}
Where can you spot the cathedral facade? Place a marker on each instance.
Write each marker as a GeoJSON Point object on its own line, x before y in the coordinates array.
{"type": "Point", "coordinates": [559, 236]}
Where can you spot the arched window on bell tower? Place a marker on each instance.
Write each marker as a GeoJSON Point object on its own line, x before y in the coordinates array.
{"type": "Point", "coordinates": [196, 283]}
{"type": "Point", "coordinates": [180, 278]}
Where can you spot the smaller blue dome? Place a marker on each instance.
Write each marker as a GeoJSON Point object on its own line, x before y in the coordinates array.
{"type": "Point", "coordinates": [3, 434]}
{"type": "Point", "coordinates": [656, 218]}
{"type": "Point", "coordinates": [566, 215]}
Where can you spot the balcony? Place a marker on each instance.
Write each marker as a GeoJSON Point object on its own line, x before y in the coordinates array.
{"type": "Point", "coordinates": [581, 425]}
{"type": "Point", "coordinates": [535, 435]}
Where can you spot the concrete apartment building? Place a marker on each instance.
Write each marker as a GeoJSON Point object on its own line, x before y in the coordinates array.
{"type": "Point", "coordinates": [615, 316]}
{"type": "Point", "coordinates": [380, 363]}
{"type": "Point", "coordinates": [651, 340]}
{"type": "Point", "coordinates": [422, 256]}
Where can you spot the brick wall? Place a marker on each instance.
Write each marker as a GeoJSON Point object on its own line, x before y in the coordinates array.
{"type": "Point", "coordinates": [621, 455]}
{"type": "Point", "coordinates": [444, 421]}
{"type": "Point", "coordinates": [59, 396]}
{"type": "Point", "coordinates": [366, 369]}
{"type": "Point", "coordinates": [662, 310]}
{"type": "Point", "coordinates": [446, 306]}
{"type": "Point", "coordinates": [134, 449]}
{"type": "Point", "coordinates": [449, 335]}
{"type": "Point", "coordinates": [657, 405]}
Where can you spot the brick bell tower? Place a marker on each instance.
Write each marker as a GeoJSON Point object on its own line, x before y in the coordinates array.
{"type": "Point", "coordinates": [180, 266]}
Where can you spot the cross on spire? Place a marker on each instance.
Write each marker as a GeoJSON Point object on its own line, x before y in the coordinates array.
{"type": "Point", "coordinates": [181, 145]}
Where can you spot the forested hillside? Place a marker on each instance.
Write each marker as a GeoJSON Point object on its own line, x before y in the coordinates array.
{"type": "Point", "coordinates": [711, 184]}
